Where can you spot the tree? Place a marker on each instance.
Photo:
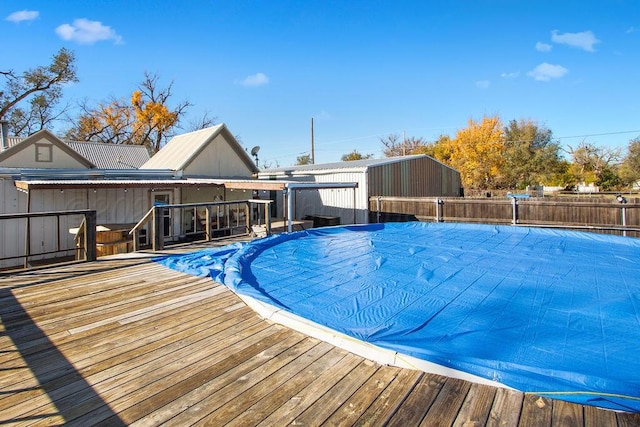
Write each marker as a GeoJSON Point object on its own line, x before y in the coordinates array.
{"type": "Point", "coordinates": [146, 119]}
{"type": "Point", "coordinates": [597, 165]}
{"type": "Point", "coordinates": [203, 122]}
{"type": "Point", "coordinates": [304, 159]}
{"type": "Point", "coordinates": [395, 146]}
{"type": "Point", "coordinates": [630, 167]}
{"type": "Point", "coordinates": [41, 89]}
{"type": "Point", "coordinates": [355, 155]}
{"type": "Point", "coordinates": [154, 120]}
{"type": "Point", "coordinates": [476, 152]}
{"type": "Point", "coordinates": [440, 149]}
{"type": "Point", "coordinates": [108, 122]}
{"type": "Point", "coordinates": [530, 155]}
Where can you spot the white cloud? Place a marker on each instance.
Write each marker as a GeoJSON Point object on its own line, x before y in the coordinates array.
{"type": "Point", "coordinates": [84, 31]}
{"type": "Point", "coordinates": [545, 72]}
{"type": "Point", "coordinates": [483, 84]}
{"type": "Point", "coordinates": [543, 47]}
{"type": "Point", "coordinates": [584, 40]}
{"type": "Point", "coordinates": [23, 15]}
{"type": "Point", "coordinates": [512, 75]}
{"type": "Point", "coordinates": [631, 30]}
{"type": "Point", "coordinates": [254, 80]}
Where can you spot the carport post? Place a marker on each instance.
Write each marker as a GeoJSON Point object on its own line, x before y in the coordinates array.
{"type": "Point", "coordinates": [289, 210]}
{"type": "Point", "coordinates": [514, 205]}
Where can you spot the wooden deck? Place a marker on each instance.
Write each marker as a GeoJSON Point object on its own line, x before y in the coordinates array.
{"type": "Point", "coordinates": [129, 342]}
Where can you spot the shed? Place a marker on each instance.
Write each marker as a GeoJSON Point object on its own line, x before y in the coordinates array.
{"type": "Point", "coordinates": [406, 176]}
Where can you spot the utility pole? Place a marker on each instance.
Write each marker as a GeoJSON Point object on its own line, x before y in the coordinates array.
{"type": "Point", "coordinates": [404, 144]}
{"type": "Point", "coordinates": [313, 156]}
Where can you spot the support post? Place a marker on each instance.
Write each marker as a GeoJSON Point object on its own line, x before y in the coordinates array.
{"type": "Point", "coordinates": [90, 223]}
{"type": "Point", "coordinates": [514, 206]}
{"type": "Point", "coordinates": [157, 232]}
{"type": "Point", "coordinates": [437, 209]}
{"type": "Point", "coordinates": [57, 233]}
{"type": "Point", "coordinates": [267, 218]}
{"type": "Point", "coordinates": [285, 204]}
{"type": "Point", "coordinates": [289, 210]}
{"type": "Point", "coordinates": [136, 240]}
{"type": "Point", "coordinates": [355, 200]}
{"type": "Point", "coordinates": [27, 232]}
{"type": "Point", "coordinates": [207, 223]}
{"type": "Point", "coordinates": [623, 212]}
{"type": "Point", "coordinates": [247, 217]}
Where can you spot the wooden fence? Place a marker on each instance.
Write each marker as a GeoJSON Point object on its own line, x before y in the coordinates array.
{"type": "Point", "coordinates": [606, 215]}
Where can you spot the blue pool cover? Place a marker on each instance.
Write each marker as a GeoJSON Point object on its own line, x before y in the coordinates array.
{"type": "Point", "coordinates": [555, 313]}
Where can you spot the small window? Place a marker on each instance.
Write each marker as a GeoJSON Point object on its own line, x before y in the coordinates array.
{"type": "Point", "coordinates": [44, 153]}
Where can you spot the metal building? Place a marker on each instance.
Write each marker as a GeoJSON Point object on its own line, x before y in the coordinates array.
{"type": "Point", "coordinates": [407, 176]}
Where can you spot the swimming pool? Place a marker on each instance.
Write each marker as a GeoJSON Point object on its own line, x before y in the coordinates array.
{"type": "Point", "coordinates": [551, 312]}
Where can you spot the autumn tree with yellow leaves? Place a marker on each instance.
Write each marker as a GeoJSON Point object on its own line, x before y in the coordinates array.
{"type": "Point", "coordinates": [145, 119]}
{"type": "Point", "coordinates": [476, 152]}
{"type": "Point", "coordinates": [489, 155]}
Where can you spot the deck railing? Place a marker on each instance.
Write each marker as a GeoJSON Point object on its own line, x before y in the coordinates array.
{"type": "Point", "coordinates": [50, 235]}
{"type": "Point", "coordinates": [208, 220]}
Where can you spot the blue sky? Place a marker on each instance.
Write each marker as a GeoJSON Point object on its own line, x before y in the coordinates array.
{"type": "Point", "coordinates": [361, 69]}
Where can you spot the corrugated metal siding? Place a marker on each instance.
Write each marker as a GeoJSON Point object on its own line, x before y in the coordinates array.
{"type": "Point", "coordinates": [412, 177]}
{"type": "Point", "coordinates": [421, 177]}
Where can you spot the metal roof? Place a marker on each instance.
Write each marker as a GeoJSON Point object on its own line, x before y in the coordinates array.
{"type": "Point", "coordinates": [102, 155]}
{"type": "Point", "coordinates": [111, 156]}
{"type": "Point", "coordinates": [182, 149]}
{"type": "Point", "coordinates": [351, 165]}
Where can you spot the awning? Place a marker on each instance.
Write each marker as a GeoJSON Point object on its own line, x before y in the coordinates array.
{"type": "Point", "coordinates": [116, 183]}
{"type": "Point", "coordinates": [231, 184]}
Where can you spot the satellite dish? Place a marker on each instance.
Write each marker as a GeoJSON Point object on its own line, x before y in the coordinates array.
{"type": "Point", "coordinates": [254, 150]}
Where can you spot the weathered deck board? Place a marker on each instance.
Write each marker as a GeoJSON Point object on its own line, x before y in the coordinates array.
{"type": "Point", "coordinates": [476, 407]}
{"type": "Point", "coordinates": [129, 342]}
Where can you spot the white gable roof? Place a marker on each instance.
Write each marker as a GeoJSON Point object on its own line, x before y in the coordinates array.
{"type": "Point", "coordinates": [184, 149]}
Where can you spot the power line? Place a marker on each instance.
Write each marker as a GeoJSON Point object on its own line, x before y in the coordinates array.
{"type": "Point", "coordinates": [600, 134]}
{"type": "Point", "coordinates": [325, 144]}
